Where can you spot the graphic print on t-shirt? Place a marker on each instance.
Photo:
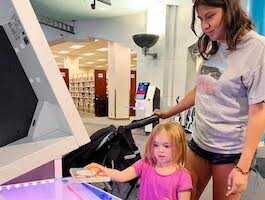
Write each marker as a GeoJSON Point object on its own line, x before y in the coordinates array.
{"type": "Point", "coordinates": [207, 79]}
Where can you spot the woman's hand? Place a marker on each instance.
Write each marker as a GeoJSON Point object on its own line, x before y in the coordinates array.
{"type": "Point", "coordinates": [237, 182]}
{"type": "Point", "coordinates": [161, 114]}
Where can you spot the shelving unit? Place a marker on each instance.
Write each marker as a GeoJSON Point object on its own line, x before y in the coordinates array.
{"type": "Point", "coordinates": [82, 89]}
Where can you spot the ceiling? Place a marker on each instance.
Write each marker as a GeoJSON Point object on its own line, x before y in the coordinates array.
{"type": "Point", "coordinates": [71, 10]}
{"type": "Point", "coordinates": [98, 59]}
{"type": "Point", "coordinates": [67, 10]}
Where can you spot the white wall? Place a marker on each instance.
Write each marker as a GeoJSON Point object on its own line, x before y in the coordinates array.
{"type": "Point", "coordinates": [53, 34]}
{"type": "Point", "coordinates": [184, 39]}
{"type": "Point", "coordinates": [117, 29]}
{"type": "Point", "coordinates": [149, 69]}
{"type": "Point", "coordinates": [121, 29]}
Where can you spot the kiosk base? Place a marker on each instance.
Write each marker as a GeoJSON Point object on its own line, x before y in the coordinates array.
{"type": "Point", "coordinates": [54, 189]}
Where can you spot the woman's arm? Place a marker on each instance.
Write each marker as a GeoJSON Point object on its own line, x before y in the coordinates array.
{"type": "Point", "coordinates": [184, 195]}
{"type": "Point", "coordinates": [187, 102]}
{"type": "Point", "coordinates": [116, 175]}
{"type": "Point", "coordinates": [255, 127]}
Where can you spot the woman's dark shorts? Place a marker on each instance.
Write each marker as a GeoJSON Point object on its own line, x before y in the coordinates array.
{"type": "Point", "coordinates": [213, 158]}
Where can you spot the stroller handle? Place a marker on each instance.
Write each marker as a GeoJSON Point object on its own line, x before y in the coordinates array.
{"type": "Point", "coordinates": [142, 122]}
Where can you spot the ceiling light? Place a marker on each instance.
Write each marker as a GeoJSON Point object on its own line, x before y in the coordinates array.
{"type": "Point", "coordinates": [63, 52]}
{"type": "Point", "coordinates": [102, 59]}
{"type": "Point", "coordinates": [96, 40]}
{"type": "Point", "coordinates": [76, 46]}
{"type": "Point", "coordinates": [90, 63]}
{"type": "Point", "coordinates": [55, 56]}
{"type": "Point", "coordinates": [102, 49]}
{"type": "Point", "coordinates": [88, 54]}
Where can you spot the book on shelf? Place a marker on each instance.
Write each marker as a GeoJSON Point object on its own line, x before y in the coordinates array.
{"type": "Point", "coordinates": [89, 175]}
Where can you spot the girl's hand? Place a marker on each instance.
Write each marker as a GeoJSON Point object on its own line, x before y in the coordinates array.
{"type": "Point", "coordinates": [236, 183]}
{"type": "Point", "coordinates": [94, 165]}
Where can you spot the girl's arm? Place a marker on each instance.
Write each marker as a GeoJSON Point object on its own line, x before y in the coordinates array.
{"type": "Point", "coordinates": [184, 195]}
{"type": "Point", "coordinates": [187, 102]}
{"type": "Point", "coordinates": [116, 175]}
{"type": "Point", "coordinates": [237, 181]}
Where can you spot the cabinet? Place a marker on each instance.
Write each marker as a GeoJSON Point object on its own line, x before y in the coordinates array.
{"type": "Point", "coordinates": [101, 99]}
{"type": "Point", "coordinates": [65, 75]}
{"type": "Point", "coordinates": [132, 93]}
{"type": "Point", "coordinates": [82, 89]}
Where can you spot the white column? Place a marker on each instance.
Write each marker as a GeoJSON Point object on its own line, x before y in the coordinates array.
{"type": "Point", "coordinates": [178, 38]}
{"type": "Point", "coordinates": [119, 61]}
{"type": "Point", "coordinates": [72, 63]}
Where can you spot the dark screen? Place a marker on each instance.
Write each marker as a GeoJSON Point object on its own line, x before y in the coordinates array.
{"type": "Point", "coordinates": [17, 100]}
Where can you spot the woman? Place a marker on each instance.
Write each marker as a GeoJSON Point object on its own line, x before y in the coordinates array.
{"type": "Point", "coordinates": [228, 97]}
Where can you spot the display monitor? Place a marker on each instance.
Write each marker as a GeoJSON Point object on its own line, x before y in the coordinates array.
{"type": "Point", "coordinates": [18, 95]}
{"type": "Point", "coordinates": [142, 90]}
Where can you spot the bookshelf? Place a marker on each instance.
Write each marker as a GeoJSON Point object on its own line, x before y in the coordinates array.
{"type": "Point", "coordinates": [82, 89]}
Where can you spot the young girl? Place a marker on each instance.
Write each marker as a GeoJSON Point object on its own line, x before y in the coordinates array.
{"type": "Point", "coordinates": [161, 171]}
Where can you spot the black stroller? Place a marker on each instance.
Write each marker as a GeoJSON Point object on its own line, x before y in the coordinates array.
{"type": "Point", "coordinates": [112, 147]}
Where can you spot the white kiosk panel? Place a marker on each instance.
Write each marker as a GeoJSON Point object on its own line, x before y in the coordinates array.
{"type": "Point", "coordinates": [39, 122]}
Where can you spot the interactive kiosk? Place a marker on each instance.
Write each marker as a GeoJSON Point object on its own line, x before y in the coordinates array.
{"type": "Point", "coordinates": [147, 99]}
{"type": "Point", "coordinates": [38, 122]}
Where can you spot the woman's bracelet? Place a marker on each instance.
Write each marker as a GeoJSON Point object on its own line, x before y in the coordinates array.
{"type": "Point", "coordinates": [241, 170]}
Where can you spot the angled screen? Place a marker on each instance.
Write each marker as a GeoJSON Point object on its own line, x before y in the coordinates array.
{"type": "Point", "coordinates": [142, 90]}
{"type": "Point", "coordinates": [18, 100]}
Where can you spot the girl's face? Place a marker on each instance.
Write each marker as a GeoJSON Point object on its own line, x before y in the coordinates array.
{"type": "Point", "coordinates": [162, 149]}
{"type": "Point", "coordinates": [212, 23]}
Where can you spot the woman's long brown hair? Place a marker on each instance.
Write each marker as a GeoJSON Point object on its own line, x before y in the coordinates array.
{"type": "Point", "coordinates": [236, 24]}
